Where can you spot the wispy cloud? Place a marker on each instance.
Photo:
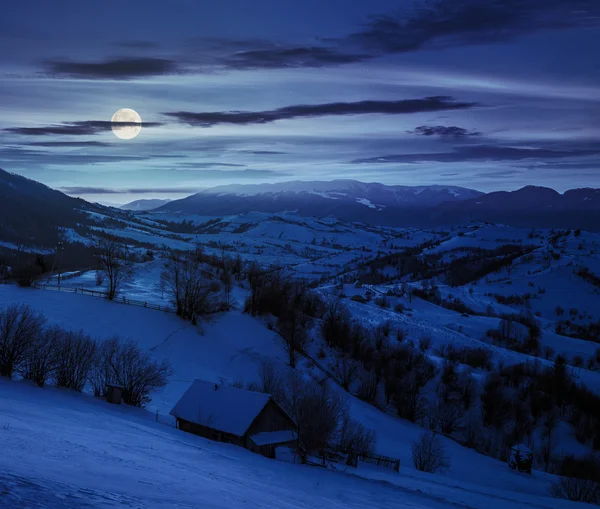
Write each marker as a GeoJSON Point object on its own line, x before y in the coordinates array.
{"type": "Point", "coordinates": [425, 105]}
{"type": "Point", "coordinates": [68, 144]}
{"type": "Point", "coordinates": [80, 128]}
{"type": "Point", "coordinates": [484, 153]}
{"type": "Point", "coordinates": [121, 68]}
{"type": "Point", "coordinates": [441, 131]}
{"type": "Point", "coordinates": [444, 23]}
{"type": "Point", "coordinates": [425, 25]}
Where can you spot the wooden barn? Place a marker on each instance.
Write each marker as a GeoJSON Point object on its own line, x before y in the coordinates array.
{"type": "Point", "coordinates": [237, 416]}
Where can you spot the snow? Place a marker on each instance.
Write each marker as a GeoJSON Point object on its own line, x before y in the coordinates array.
{"type": "Point", "coordinates": [364, 201]}
{"type": "Point", "coordinates": [53, 443]}
{"type": "Point", "coordinates": [224, 408]}
{"type": "Point", "coordinates": [67, 450]}
{"type": "Point", "coordinates": [273, 437]}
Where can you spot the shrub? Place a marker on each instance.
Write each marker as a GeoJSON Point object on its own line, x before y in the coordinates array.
{"type": "Point", "coordinates": [580, 481]}
{"type": "Point", "coordinates": [75, 355]}
{"type": "Point", "coordinates": [135, 370]}
{"type": "Point", "coordinates": [355, 438]}
{"type": "Point", "coordinates": [429, 453]}
{"type": "Point", "coordinates": [40, 361]}
{"type": "Point", "coordinates": [20, 326]}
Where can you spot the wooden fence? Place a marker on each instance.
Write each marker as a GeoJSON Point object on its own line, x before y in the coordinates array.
{"type": "Point", "coordinates": [351, 460]}
{"type": "Point", "coordinates": [382, 461]}
{"type": "Point", "coordinates": [104, 295]}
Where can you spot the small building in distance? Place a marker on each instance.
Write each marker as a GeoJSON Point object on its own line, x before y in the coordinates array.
{"type": "Point", "coordinates": [114, 393]}
{"type": "Point", "coordinates": [521, 458]}
{"type": "Point", "coordinates": [237, 416]}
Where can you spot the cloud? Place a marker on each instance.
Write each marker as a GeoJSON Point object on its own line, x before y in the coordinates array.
{"type": "Point", "coordinates": [443, 131]}
{"type": "Point", "coordinates": [80, 128]}
{"type": "Point", "coordinates": [277, 57]}
{"type": "Point", "coordinates": [78, 190]}
{"type": "Point", "coordinates": [426, 25]}
{"type": "Point", "coordinates": [262, 152]}
{"type": "Point", "coordinates": [68, 144]}
{"type": "Point", "coordinates": [122, 68]}
{"type": "Point", "coordinates": [445, 23]}
{"type": "Point", "coordinates": [238, 174]}
{"type": "Point", "coordinates": [484, 153]}
{"type": "Point", "coordinates": [209, 164]}
{"type": "Point", "coordinates": [404, 106]}
{"type": "Point", "coordinates": [88, 190]}
{"type": "Point", "coordinates": [37, 157]}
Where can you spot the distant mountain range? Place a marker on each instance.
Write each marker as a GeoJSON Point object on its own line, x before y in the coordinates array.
{"type": "Point", "coordinates": [31, 212]}
{"type": "Point", "coordinates": [421, 206]}
{"type": "Point", "coordinates": [347, 199]}
{"type": "Point", "coordinates": [140, 205]}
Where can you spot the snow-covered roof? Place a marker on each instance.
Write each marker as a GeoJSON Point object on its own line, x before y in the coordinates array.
{"type": "Point", "coordinates": [521, 448]}
{"type": "Point", "coordinates": [221, 407]}
{"type": "Point", "coordinates": [274, 437]}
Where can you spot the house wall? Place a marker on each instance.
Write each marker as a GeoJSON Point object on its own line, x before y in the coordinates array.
{"type": "Point", "coordinates": [269, 449]}
{"type": "Point", "coordinates": [271, 418]}
{"type": "Point", "coordinates": [210, 433]}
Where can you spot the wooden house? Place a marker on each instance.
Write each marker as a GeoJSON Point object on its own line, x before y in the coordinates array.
{"type": "Point", "coordinates": [238, 416]}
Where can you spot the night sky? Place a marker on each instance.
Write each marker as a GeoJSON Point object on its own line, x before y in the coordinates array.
{"type": "Point", "coordinates": [487, 94]}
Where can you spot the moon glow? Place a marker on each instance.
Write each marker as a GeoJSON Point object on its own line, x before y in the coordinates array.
{"type": "Point", "coordinates": [129, 130]}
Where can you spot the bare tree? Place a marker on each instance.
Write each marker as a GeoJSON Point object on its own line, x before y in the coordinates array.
{"type": "Point", "coordinates": [192, 290]}
{"type": "Point", "coordinates": [355, 438]}
{"type": "Point", "coordinates": [20, 326]}
{"type": "Point", "coordinates": [429, 454]}
{"type": "Point", "coordinates": [124, 363]}
{"type": "Point", "coordinates": [114, 264]}
{"type": "Point", "coordinates": [548, 438]}
{"type": "Point", "coordinates": [347, 370]}
{"type": "Point", "coordinates": [227, 282]}
{"type": "Point", "coordinates": [317, 411]}
{"type": "Point", "coordinates": [75, 354]}
{"type": "Point", "coordinates": [293, 325]}
{"type": "Point", "coordinates": [445, 417]}
{"type": "Point", "coordinates": [270, 379]}
{"type": "Point", "coordinates": [102, 372]}
{"type": "Point", "coordinates": [577, 490]}
{"type": "Point", "coordinates": [40, 360]}
{"type": "Point", "coordinates": [135, 370]}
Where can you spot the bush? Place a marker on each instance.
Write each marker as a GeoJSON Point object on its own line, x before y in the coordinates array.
{"type": "Point", "coordinates": [127, 365]}
{"type": "Point", "coordinates": [20, 326]}
{"type": "Point", "coordinates": [40, 361]}
{"type": "Point", "coordinates": [102, 372]}
{"type": "Point", "coordinates": [355, 438]}
{"type": "Point", "coordinates": [399, 307]}
{"type": "Point", "coordinates": [75, 355]}
{"type": "Point", "coordinates": [429, 453]}
{"type": "Point", "coordinates": [580, 481]}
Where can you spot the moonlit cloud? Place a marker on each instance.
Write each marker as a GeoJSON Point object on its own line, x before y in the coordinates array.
{"type": "Point", "coordinates": [491, 95]}
{"type": "Point", "coordinates": [402, 107]}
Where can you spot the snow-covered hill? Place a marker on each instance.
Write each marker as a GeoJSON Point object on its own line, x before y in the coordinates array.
{"type": "Point", "coordinates": [69, 450]}
{"type": "Point", "coordinates": [148, 204]}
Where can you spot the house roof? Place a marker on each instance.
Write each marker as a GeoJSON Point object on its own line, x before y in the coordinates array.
{"type": "Point", "coordinates": [221, 407]}
{"type": "Point", "coordinates": [521, 448]}
{"type": "Point", "coordinates": [274, 437]}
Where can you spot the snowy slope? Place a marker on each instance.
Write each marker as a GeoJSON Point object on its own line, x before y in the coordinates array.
{"type": "Point", "coordinates": [61, 449]}
{"type": "Point", "coordinates": [228, 349]}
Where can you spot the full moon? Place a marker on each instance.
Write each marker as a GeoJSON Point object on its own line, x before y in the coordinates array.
{"type": "Point", "coordinates": [126, 132]}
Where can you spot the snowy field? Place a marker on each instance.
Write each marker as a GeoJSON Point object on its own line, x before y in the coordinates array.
{"type": "Point", "coordinates": [61, 449]}
{"type": "Point", "coordinates": [113, 455]}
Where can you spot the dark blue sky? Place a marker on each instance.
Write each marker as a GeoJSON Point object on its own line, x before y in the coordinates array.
{"type": "Point", "coordinates": [489, 95]}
